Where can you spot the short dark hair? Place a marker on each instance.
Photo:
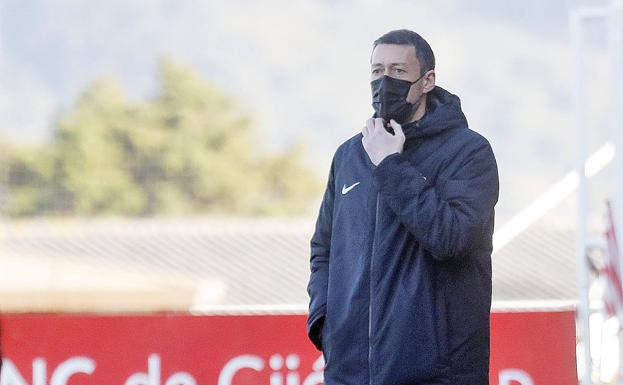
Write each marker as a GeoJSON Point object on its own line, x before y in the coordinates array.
{"type": "Point", "coordinates": [423, 51]}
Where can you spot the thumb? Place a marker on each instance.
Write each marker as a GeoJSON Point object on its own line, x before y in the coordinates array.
{"type": "Point", "coordinates": [397, 127]}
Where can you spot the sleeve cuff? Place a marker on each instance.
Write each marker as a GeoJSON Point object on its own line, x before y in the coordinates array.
{"type": "Point", "coordinates": [396, 175]}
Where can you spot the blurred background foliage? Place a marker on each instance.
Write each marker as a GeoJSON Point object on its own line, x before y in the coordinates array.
{"type": "Point", "coordinates": [187, 150]}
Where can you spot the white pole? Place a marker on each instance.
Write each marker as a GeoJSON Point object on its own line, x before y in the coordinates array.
{"type": "Point", "coordinates": [4, 171]}
{"type": "Point", "coordinates": [575, 22]}
{"type": "Point", "coordinates": [615, 40]}
{"type": "Point", "coordinates": [616, 129]}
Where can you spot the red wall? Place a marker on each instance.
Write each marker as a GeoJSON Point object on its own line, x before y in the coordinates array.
{"type": "Point", "coordinates": [528, 348]}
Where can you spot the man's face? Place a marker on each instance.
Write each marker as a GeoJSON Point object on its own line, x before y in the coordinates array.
{"type": "Point", "coordinates": [400, 62]}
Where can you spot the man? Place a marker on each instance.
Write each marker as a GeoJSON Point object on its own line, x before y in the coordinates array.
{"type": "Point", "coordinates": [400, 283]}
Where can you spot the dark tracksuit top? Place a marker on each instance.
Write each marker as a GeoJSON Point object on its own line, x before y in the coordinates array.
{"type": "Point", "coordinates": [400, 283]}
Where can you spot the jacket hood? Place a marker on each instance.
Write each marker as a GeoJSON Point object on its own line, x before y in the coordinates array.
{"type": "Point", "coordinates": [443, 112]}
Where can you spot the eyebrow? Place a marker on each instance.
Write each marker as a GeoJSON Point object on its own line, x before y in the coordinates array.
{"type": "Point", "coordinates": [391, 64]}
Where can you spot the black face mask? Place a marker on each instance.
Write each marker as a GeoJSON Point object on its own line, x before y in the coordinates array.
{"type": "Point", "coordinates": [389, 99]}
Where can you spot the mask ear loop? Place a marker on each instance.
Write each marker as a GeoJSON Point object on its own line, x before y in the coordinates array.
{"type": "Point", "coordinates": [418, 79]}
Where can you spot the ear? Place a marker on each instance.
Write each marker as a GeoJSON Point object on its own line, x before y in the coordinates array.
{"type": "Point", "coordinates": [428, 81]}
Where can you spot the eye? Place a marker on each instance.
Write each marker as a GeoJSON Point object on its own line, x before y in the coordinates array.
{"type": "Point", "coordinates": [375, 71]}
{"type": "Point", "coordinates": [400, 70]}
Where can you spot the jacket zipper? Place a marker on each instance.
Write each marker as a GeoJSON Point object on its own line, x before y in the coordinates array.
{"type": "Point", "coordinates": [376, 219]}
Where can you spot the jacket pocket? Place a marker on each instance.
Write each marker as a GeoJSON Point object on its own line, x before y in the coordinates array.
{"type": "Point", "coordinates": [325, 340]}
{"type": "Point", "coordinates": [315, 332]}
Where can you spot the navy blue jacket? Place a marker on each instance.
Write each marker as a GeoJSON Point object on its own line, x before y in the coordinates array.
{"type": "Point", "coordinates": [400, 283]}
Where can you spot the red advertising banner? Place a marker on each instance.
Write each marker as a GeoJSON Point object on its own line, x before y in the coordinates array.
{"type": "Point", "coordinates": [528, 348]}
{"type": "Point", "coordinates": [533, 348]}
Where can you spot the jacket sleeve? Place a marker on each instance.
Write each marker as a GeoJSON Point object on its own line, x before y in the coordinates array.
{"type": "Point", "coordinates": [319, 263]}
{"type": "Point", "coordinates": [449, 217]}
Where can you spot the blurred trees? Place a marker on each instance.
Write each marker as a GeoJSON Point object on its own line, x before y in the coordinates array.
{"type": "Point", "coordinates": [188, 150]}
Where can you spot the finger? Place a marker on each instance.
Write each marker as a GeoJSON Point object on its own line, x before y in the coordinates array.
{"type": "Point", "coordinates": [370, 125]}
{"type": "Point", "coordinates": [378, 124]}
{"type": "Point", "coordinates": [365, 131]}
{"type": "Point", "coordinates": [397, 127]}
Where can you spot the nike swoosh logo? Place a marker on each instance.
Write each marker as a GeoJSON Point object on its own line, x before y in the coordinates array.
{"type": "Point", "coordinates": [347, 189]}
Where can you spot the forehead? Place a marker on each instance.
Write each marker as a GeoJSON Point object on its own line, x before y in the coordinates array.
{"type": "Point", "coordinates": [394, 53]}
